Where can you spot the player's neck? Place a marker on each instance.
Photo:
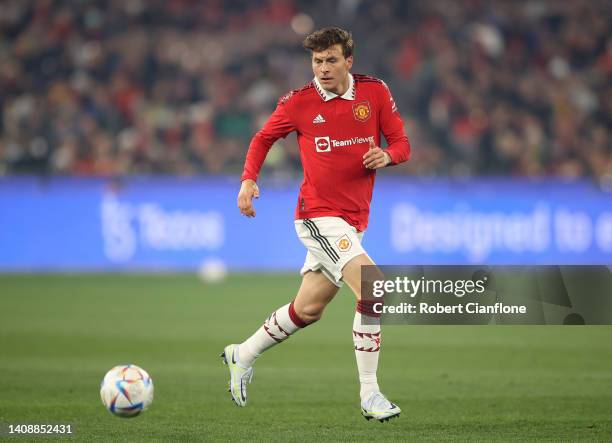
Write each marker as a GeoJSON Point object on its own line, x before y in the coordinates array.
{"type": "Point", "coordinates": [342, 86]}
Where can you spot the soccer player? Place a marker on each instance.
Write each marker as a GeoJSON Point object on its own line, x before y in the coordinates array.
{"type": "Point", "coordinates": [338, 117]}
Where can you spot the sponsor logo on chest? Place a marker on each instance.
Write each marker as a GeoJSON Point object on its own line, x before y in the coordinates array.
{"type": "Point", "coordinates": [325, 144]}
{"type": "Point", "coordinates": [322, 144]}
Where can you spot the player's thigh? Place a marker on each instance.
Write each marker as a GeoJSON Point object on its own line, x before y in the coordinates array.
{"type": "Point", "coordinates": [315, 292]}
{"type": "Point", "coordinates": [351, 273]}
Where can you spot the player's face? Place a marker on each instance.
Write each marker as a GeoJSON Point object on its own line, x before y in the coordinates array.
{"type": "Point", "coordinates": [331, 68]}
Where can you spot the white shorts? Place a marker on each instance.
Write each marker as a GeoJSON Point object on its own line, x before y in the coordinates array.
{"type": "Point", "coordinates": [331, 244]}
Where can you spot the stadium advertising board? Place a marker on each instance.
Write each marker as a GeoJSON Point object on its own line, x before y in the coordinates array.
{"type": "Point", "coordinates": [174, 224]}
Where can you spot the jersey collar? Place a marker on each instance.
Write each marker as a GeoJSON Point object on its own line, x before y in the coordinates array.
{"type": "Point", "coordinates": [327, 95]}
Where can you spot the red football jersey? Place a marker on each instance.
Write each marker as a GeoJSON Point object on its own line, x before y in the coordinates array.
{"type": "Point", "coordinates": [333, 134]}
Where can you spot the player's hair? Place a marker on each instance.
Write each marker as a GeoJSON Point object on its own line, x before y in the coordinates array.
{"type": "Point", "coordinates": [324, 38]}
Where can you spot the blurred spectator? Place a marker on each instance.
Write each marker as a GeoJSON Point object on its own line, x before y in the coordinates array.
{"type": "Point", "coordinates": [113, 87]}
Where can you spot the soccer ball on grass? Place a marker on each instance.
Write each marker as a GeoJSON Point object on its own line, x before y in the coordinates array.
{"type": "Point", "coordinates": [126, 390]}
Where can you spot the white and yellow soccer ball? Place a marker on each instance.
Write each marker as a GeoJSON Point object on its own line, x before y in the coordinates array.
{"type": "Point", "coordinates": [127, 390]}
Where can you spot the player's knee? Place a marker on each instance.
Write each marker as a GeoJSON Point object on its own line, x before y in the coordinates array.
{"type": "Point", "coordinates": [311, 313]}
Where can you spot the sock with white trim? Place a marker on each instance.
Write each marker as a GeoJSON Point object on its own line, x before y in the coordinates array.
{"type": "Point", "coordinates": [367, 346]}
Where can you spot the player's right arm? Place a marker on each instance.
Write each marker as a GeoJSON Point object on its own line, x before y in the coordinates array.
{"type": "Point", "coordinates": [278, 125]}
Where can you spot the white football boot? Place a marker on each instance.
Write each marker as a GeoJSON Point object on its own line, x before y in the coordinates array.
{"type": "Point", "coordinates": [239, 376]}
{"type": "Point", "coordinates": [376, 406]}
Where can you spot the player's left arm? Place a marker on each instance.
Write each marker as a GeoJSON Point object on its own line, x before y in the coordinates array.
{"type": "Point", "coordinates": [392, 127]}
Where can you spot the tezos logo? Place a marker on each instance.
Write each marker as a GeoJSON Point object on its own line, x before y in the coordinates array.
{"type": "Point", "coordinates": [322, 144]}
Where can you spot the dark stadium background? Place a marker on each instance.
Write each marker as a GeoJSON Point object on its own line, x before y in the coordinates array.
{"type": "Point", "coordinates": [122, 122]}
{"type": "Point", "coordinates": [178, 87]}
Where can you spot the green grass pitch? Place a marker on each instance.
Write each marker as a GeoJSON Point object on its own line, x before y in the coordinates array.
{"type": "Point", "coordinates": [60, 334]}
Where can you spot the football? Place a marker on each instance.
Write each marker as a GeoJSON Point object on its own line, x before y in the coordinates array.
{"type": "Point", "coordinates": [126, 390]}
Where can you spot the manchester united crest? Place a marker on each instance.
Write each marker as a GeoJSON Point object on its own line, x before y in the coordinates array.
{"type": "Point", "coordinates": [343, 243]}
{"type": "Point", "coordinates": [361, 111]}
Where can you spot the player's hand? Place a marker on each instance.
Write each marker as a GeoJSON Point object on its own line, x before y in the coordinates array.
{"type": "Point", "coordinates": [248, 191]}
{"type": "Point", "coordinates": [376, 157]}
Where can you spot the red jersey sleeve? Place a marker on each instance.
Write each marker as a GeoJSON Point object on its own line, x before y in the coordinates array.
{"type": "Point", "coordinates": [278, 125]}
{"type": "Point", "coordinates": [392, 127]}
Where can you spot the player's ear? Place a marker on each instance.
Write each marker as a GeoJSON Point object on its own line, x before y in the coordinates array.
{"type": "Point", "coordinates": [349, 61]}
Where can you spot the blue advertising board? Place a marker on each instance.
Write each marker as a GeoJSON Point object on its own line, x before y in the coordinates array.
{"type": "Point", "coordinates": [177, 224]}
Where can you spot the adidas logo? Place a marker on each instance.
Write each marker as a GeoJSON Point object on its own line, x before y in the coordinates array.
{"type": "Point", "coordinates": [318, 119]}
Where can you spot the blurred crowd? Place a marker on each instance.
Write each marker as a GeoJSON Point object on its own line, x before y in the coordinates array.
{"type": "Point", "coordinates": [486, 87]}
